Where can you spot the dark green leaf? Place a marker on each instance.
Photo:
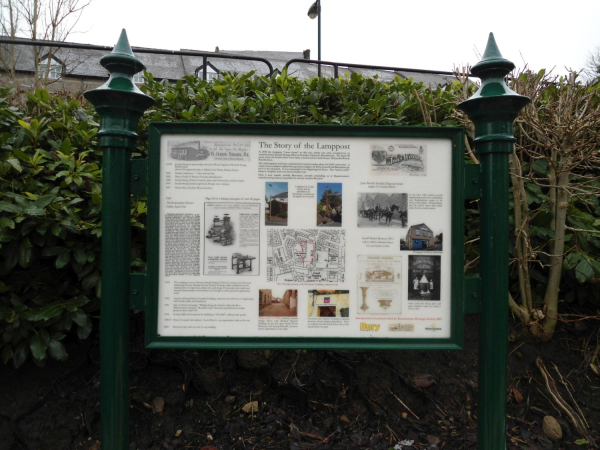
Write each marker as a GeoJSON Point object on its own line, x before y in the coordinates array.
{"type": "Point", "coordinates": [79, 317]}
{"type": "Point", "coordinates": [584, 271]}
{"type": "Point", "coordinates": [90, 281]}
{"type": "Point", "coordinates": [7, 353]}
{"type": "Point", "coordinates": [80, 256]}
{"type": "Point", "coordinates": [15, 163]}
{"type": "Point", "coordinates": [38, 346]}
{"type": "Point", "coordinates": [84, 331]}
{"type": "Point", "coordinates": [52, 310]}
{"type": "Point", "coordinates": [63, 259]}
{"type": "Point", "coordinates": [25, 255]}
{"type": "Point", "coordinates": [6, 222]}
{"type": "Point", "coordinates": [20, 354]}
{"type": "Point", "coordinates": [57, 351]}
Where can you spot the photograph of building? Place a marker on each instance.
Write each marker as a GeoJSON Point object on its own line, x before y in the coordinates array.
{"type": "Point", "coordinates": [276, 199]}
{"type": "Point", "coordinates": [278, 302]}
{"type": "Point", "coordinates": [328, 303]}
{"type": "Point", "coordinates": [421, 237]}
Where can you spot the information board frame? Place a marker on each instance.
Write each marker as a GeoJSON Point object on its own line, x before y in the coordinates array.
{"type": "Point", "coordinates": [454, 135]}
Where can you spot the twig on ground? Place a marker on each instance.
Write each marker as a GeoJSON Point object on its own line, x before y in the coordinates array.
{"type": "Point", "coordinates": [403, 404]}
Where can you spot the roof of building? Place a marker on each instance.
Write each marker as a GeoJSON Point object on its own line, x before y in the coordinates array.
{"type": "Point", "coordinates": [85, 62]}
{"type": "Point", "coordinates": [282, 195]}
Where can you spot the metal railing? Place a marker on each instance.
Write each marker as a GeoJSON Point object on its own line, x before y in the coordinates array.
{"type": "Point", "coordinates": [205, 55]}
{"type": "Point", "coordinates": [212, 55]}
{"type": "Point", "coordinates": [337, 65]}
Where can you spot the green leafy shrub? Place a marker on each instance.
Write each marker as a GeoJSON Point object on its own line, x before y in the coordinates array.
{"type": "Point", "coordinates": [50, 186]}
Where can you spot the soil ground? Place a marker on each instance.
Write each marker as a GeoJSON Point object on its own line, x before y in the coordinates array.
{"type": "Point", "coordinates": [304, 399]}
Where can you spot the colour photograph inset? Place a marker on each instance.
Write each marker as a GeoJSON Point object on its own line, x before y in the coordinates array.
{"type": "Point", "coordinates": [328, 303]}
{"type": "Point", "coordinates": [329, 204]}
{"type": "Point", "coordinates": [422, 237]}
{"type": "Point", "coordinates": [276, 200]}
{"type": "Point", "coordinates": [278, 302]}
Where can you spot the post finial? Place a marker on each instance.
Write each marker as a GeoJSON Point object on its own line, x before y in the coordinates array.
{"type": "Point", "coordinates": [119, 102]}
{"type": "Point", "coordinates": [494, 106]}
{"type": "Point", "coordinates": [492, 60]}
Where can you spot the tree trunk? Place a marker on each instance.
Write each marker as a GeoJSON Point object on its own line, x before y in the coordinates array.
{"type": "Point", "coordinates": [558, 247]}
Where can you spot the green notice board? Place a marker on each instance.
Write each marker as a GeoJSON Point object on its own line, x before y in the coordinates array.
{"type": "Point", "coordinates": [281, 236]}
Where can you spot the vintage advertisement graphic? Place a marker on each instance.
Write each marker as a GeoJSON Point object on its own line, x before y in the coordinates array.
{"type": "Point", "coordinates": [399, 159]}
{"type": "Point", "coordinates": [232, 239]}
{"type": "Point", "coordinates": [424, 274]}
{"type": "Point", "coordinates": [379, 284]}
{"type": "Point", "coordinates": [209, 150]}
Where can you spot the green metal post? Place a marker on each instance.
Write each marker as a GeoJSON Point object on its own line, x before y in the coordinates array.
{"type": "Point", "coordinates": [493, 108]}
{"type": "Point", "coordinates": [120, 105]}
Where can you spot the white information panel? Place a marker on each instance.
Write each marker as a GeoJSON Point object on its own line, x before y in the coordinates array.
{"type": "Point", "coordinates": [274, 236]}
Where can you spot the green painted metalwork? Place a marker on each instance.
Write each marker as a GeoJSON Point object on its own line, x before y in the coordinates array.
{"type": "Point", "coordinates": [137, 291]}
{"type": "Point", "coordinates": [472, 182]}
{"type": "Point", "coordinates": [139, 176]}
{"type": "Point", "coordinates": [456, 135]}
{"type": "Point", "coordinates": [493, 109]}
{"type": "Point", "coordinates": [120, 105]}
{"type": "Point", "coordinates": [472, 295]}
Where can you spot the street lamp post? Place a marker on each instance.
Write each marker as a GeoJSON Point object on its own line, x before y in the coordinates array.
{"type": "Point", "coordinates": [313, 12]}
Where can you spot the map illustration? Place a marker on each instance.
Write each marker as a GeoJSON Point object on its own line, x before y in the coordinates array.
{"type": "Point", "coordinates": [306, 256]}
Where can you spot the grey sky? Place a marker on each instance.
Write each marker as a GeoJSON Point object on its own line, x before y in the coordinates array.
{"type": "Point", "coordinates": [413, 34]}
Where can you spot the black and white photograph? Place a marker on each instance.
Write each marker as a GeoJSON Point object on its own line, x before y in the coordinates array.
{"type": "Point", "coordinates": [378, 209]}
{"type": "Point", "coordinates": [241, 262]}
{"type": "Point", "coordinates": [232, 238]}
{"type": "Point", "coordinates": [399, 159]}
{"type": "Point", "coordinates": [422, 237]}
{"type": "Point", "coordinates": [221, 230]}
{"type": "Point", "coordinates": [208, 150]}
{"type": "Point", "coordinates": [424, 275]}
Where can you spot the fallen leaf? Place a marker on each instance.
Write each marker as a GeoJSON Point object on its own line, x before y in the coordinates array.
{"type": "Point", "coordinates": [250, 407]}
{"type": "Point", "coordinates": [432, 440]}
{"type": "Point", "coordinates": [424, 381]}
{"type": "Point", "coordinates": [178, 432]}
{"type": "Point", "coordinates": [158, 404]}
{"type": "Point", "coordinates": [345, 419]}
{"type": "Point", "coordinates": [517, 395]}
